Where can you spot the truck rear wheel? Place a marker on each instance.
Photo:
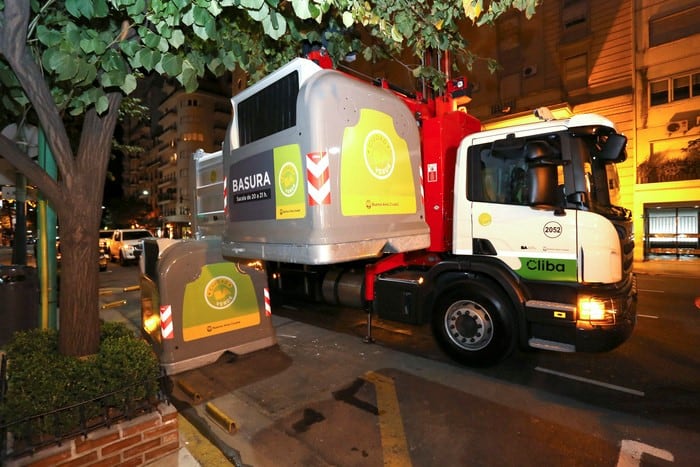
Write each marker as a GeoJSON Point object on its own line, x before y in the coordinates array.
{"type": "Point", "coordinates": [474, 325]}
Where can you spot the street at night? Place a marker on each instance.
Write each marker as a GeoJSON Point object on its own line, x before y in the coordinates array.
{"type": "Point", "coordinates": [324, 397]}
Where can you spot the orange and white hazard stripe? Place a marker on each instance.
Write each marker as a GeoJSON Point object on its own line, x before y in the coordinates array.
{"type": "Point", "coordinates": [268, 305]}
{"type": "Point", "coordinates": [166, 322]}
{"type": "Point", "coordinates": [318, 178]}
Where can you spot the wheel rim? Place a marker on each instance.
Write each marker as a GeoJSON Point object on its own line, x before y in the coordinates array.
{"type": "Point", "coordinates": [468, 325]}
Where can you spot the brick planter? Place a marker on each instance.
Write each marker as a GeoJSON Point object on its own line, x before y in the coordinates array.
{"type": "Point", "coordinates": [134, 442]}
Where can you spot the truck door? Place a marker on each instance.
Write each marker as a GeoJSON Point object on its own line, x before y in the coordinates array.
{"type": "Point", "coordinates": [537, 241]}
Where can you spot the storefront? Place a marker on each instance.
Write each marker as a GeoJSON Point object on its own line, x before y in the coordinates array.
{"type": "Point", "coordinates": [671, 231]}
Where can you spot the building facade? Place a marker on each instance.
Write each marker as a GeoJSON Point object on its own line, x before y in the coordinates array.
{"type": "Point", "coordinates": [181, 123]}
{"type": "Point", "coordinates": [636, 62]}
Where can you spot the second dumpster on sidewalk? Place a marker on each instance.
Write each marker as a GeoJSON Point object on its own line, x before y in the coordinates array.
{"type": "Point", "coordinates": [196, 305]}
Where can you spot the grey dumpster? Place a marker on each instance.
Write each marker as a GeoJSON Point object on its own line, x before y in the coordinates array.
{"type": "Point", "coordinates": [19, 300]}
{"type": "Point", "coordinates": [195, 305]}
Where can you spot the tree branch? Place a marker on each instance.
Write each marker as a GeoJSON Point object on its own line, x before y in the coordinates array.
{"type": "Point", "coordinates": [13, 46]}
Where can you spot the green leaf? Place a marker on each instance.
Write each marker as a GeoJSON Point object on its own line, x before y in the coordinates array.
{"type": "Point", "coordinates": [260, 14]}
{"type": "Point", "coordinates": [395, 34]}
{"type": "Point", "coordinates": [201, 32]}
{"type": "Point", "coordinates": [188, 77]}
{"type": "Point", "coordinates": [201, 16]}
{"type": "Point", "coordinates": [137, 8]}
{"type": "Point", "coordinates": [102, 105]}
{"type": "Point", "coordinates": [64, 65]}
{"type": "Point", "coordinates": [78, 8]}
{"type": "Point", "coordinates": [274, 25]}
{"type": "Point", "coordinates": [214, 9]}
{"type": "Point", "coordinates": [129, 47]}
{"type": "Point", "coordinates": [172, 64]}
{"type": "Point", "coordinates": [113, 61]}
{"type": "Point", "coordinates": [100, 9]}
{"type": "Point", "coordinates": [473, 8]}
{"type": "Point", "coordinates": [147, 58]}
{"type": "Point", "coordinates": [188, 18]}
{"type": "Point", "coordinates": [149, 38]}
{"type": "Point", "coordinates": [48, 37]}
{"type": "Point", "coordinates": [163, 44]}
{"type": "Point", "coordinates": [252, 4]}
{"type": "Point", "coordinates": [348, 20]}
{"type": "Point", "coordinates": [301, 9]}
{"type": "Point", "coordinates": [177, 39]}
{"type": "Point", "coordinates": [129, 84]}
{"type": "Point", "coordinates": [86, 73]}
{"type": "Point", "coordinates": [112, 78]}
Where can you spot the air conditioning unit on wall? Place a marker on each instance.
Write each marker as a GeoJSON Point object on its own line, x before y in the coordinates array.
{"type": "Point", "coordinates": [677, 125]}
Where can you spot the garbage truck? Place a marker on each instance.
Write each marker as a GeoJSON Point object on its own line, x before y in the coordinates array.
{"type": "Point", "coordinates": [359, 194]}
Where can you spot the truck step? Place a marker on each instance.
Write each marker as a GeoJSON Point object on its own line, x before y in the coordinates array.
{"type": "Point", "coordinates": [550, 345]}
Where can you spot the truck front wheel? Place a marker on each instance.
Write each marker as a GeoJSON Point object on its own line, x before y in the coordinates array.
{"type": "Point", "coordinates": [474, 326]}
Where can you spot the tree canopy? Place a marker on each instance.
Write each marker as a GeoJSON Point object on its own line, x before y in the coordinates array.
{"type": "Point", "coordinates": [79, 59]}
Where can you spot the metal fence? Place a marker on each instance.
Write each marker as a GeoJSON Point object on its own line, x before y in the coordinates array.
{"type": "Point", "coordinates": [27, 435]}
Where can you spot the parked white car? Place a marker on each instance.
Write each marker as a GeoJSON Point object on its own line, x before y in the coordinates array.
{"type": "Point", "coordinates": [126, 245]}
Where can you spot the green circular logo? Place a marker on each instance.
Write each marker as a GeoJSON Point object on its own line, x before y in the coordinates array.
{"type": "Point", "coordinates": [379, 153]}
{"type": "Point", "coordinates": [220, 292]}
{"type": "Point", "coordinates": [288, 179]}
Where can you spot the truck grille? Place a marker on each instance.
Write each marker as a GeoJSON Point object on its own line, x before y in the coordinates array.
{"type": "Point", "coordinates": [626, 236]}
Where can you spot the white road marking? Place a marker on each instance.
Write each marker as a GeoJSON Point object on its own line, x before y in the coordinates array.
{"type": "Point", "coordinates": [651, 291]}
{"type": "Point", "coordinates": [631, 453]}
{"type": "Point", "coordinates": [647, 316]}
{"type": "Point", "coordinates": [591, 381]}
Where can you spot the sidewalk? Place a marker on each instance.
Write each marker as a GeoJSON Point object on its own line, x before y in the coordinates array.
{"type": "Point", "coordinates": [256, 405]}
{"type": "Point", "coordinates": [664, 267]}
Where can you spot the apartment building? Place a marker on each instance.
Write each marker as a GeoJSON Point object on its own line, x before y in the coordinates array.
{"type": "Point", "coordinates": [637, 62]}
{"type": "Point", "coordinates": [181, 123]}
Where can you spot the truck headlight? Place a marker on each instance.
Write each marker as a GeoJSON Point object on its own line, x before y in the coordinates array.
{"type": "Point", "coordinates": [596, 310]}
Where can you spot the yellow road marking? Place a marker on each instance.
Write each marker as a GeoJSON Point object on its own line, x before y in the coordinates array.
{"type": "Point", "coordinates": [199, 446]}
{"type": "Point", "coordinates": [394, 445]}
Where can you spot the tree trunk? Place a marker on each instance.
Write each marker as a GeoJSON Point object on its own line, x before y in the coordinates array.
{"type": "Point", "coordinates": [79, 318]}
{"type": "Point", "coordinates": [79, 223]}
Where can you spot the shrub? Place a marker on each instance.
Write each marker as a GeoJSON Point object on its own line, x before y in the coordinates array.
{"type": "Point", "coordinates": [41, 380]}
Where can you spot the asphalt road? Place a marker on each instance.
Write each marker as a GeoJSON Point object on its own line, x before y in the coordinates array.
{"type": "Point", "coordinates": [322, 397]}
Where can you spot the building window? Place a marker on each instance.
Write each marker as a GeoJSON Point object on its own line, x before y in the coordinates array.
{"type": "Point", "coordinates": [193, 137]}
{"type": "Point", "coordinates": [673, 27]}
{"type": "Point", "coordinates": [576, 71]}
{"type": "Point", "coordinates": [676, 88]}
{"type": "Point", "coordinates": [574, 20]}
{"type": "Point", "coordinates": [681, 88]}
{"type": "Point", "coordinates": [658, 92]}
{"type": "Point", "coordinates": [192, 103]}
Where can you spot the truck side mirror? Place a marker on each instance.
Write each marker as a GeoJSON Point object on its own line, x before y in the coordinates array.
{"type": "Point", "coordinates": [614, 149]}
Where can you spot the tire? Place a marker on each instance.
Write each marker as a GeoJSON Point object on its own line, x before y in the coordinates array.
{"type": "Point", "coordinates": [122, 260]}
{"type": "Point", "coordinates": [474, 325]}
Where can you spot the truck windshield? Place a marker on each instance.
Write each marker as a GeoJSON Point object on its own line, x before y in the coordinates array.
{"type": "Point", "coordinates": [601, 180]}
